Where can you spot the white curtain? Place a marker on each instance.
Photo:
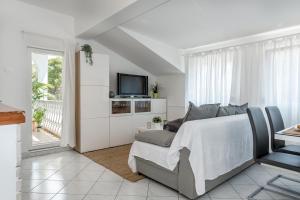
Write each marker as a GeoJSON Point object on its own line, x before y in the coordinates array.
{"type": "Point", "coordinates": [281, 77]}
{"type": "Point", "coordinates": [262, 73]}
{"type": "Point", "coordinates": [68, 118]}
{"type": "Point", "coordinates": [209, 77]}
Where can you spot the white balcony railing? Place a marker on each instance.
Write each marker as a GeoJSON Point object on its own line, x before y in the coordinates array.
{"type": "Point", "coordinates": [52, 120]}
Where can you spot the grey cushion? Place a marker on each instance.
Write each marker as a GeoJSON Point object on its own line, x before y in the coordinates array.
{"type": "Point", "coordinates": [161, 138]}
{"type": "Point", "coordinates": [232, 110]}
{"type": "Point", "coordinates": [174, 125]}
{"type": "Point", "coordinates": [204, 111]}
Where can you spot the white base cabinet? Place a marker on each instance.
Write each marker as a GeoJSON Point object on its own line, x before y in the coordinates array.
{"type": "Point", "coordinates": [127, 115]}
{"type": "Point", "coordinates": [121, 130]}
{"type": "Point", "coordinates": [10, 154]}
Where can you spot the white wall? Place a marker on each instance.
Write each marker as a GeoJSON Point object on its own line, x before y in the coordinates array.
{"type": "Point", "coordinates": [118, 64]}
{"type": "Point", "coordinates": [172, 87]}
{"type": "Point", "coordinates": [15, 68]}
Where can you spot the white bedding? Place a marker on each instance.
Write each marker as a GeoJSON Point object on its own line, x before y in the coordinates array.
{"type": "Point", "coordinates": [150, 152]}
{"type": "Point", "coordinates": [217, 146]}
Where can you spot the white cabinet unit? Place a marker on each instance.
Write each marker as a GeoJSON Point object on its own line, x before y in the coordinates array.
{"type": "Point", "coordinates": [10, 152]}
{"type": "Point", "coordinates": [92, 103]}
{"type": "Point", "coordinates": [127, 115]}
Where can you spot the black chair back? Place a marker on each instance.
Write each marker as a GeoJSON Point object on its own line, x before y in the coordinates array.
{"type": "Point", "coordinates": [260, 132]}
{"type": "Point", "coordinates": [276, 124]}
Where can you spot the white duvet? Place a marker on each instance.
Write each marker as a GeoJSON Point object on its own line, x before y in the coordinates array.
{"type": "Point", "coordinates": [217, 146]}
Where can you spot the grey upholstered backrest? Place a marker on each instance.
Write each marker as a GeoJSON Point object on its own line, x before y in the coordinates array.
{"type": "Point", "coordinates": [276, 124]}
{"type": "Point", "coordinates": [275, 118]}
{"type": "Point", "coordinates": [260, 132]}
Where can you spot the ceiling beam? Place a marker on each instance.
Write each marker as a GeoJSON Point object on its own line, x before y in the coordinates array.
{"type": "Point", "coordinates": [134, 10]}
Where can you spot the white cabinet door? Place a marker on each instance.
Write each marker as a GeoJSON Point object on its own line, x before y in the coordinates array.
{"type": "Point", "coordinates": [96, 74]}
{"type": "Point", "coordinates": [94, 101]}
{"type": "Point", "coordinates": [158, 105]}
{"type": "Point", "coordinates": [94, 134]}
{"type": "Point", "coordinates": [140, 120]}
{"type": "Point", "coordinates": [121, 131]}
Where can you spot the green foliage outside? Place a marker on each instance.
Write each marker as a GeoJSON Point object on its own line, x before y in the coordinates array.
{"type": "Point", "coordinates": [51, 91]}
{"type": "Point", "coordinates": [55, 78]}
{"type": "Point", "coordinates": [38, 115]}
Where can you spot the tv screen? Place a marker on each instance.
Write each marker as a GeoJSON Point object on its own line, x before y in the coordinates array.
{"type": "Point", "coordinates": [130, 85]}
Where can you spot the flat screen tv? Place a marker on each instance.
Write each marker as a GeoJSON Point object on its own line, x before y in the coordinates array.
{"type": "Point", "coordinates": [132, 85]}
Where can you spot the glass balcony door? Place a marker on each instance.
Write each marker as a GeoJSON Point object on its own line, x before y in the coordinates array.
{"type": "Point", "coordinates": [46, 97]}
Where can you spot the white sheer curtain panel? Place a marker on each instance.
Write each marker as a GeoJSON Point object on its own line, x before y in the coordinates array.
{"type": "Point", "coordinates": [281, 77]}
{"type": "Point", "coordinates": [209, 77]}
{"type": "Point", "coordinates": [263, 74]}
{"type": "Point", "coordinates": [247, 77]}
{"type": "Point", "coordinates": [68, 118]}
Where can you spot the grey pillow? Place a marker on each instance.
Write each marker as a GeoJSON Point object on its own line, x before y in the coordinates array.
{"type": "Point", "coordinates": [204, 111]}
{"type": "Point", "coordinates": [161, 138]}
{"type": "Point", "coordinates": [174, 125]}
{"type": "Point", "coordinates": [232, 110]}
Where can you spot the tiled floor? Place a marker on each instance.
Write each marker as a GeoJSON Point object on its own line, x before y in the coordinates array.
{"type": "Point", "coordinates": [43, 137]}
{"type": "Point", "coordinates": [71, 176]}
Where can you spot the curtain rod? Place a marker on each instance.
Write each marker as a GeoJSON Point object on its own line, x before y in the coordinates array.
{"type": "Point", "coordinates": [294, 31]}
{"type": "Point", "coordinates": [44, 49]}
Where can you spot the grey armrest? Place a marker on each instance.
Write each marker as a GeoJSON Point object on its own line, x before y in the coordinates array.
{"type": "Point", "coordinates": [161, 138]}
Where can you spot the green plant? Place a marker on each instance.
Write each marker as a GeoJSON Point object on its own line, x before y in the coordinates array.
{"type": "Point", "coordinates": [88, 51]}
{"type": "Point", "coordinates": [55, 78]}
{"type": "Point", "coordinates": [38, 115]}
{"type": "Point", "coordinates": [38, 90]}
{"type": "Point", "coordinates": [154, 88]}
{"type": "Point", "coordinates": [156, 120]}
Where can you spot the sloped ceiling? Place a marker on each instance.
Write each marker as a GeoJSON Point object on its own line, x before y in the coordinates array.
{"type": "Point", "coordinates": [127, 46]}
{"type": "Point", "coordinates": [189, 23]}
{"type": "Point", "coordinates": [86, 13]}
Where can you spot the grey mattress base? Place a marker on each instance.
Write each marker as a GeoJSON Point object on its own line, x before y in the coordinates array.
{"type": "Point", "coordinates": [182, 177]}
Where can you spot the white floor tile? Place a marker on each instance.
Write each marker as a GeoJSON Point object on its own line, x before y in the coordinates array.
{"type": "Point", "coordinates": [94, 167]}
{"type": "Point", "coordinates": [28, 185]}
{"type": "Point", "coordinates": [105, 188]}
{"type": "Point", "coordinates": [131, 198]}
{"type": "Point", "coordinates": [49, 187]}
{"type": "Point", "coordinates": [110, 176]}
{"type": "Point", "coordinates": [77, 187]}
{"type": "Point", "coordinates": [134, 188]}
{"type": "Point", "coordinates": [88, 175]}
{"type": "Point", "coordinates": [158, 190]}
{"type": "Point", "coordinates": [99, 197]}
{"type": "Point", "coordinates": [36, 174]}
{"type": "Point", "coordinates": [63, 176]}
{"type": "Point", "coordinates": [242, 179]}
{"type": "Point", "coordinates": [162, 198]}
{"type": "Point", "coordinates": [36, 196]}
{"type": "Point", "coordinates": [74, 167]}
{"type": "Point", "coordinates": [224, 191]}
{"type": "Point", "coordinates": [67, 197]}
